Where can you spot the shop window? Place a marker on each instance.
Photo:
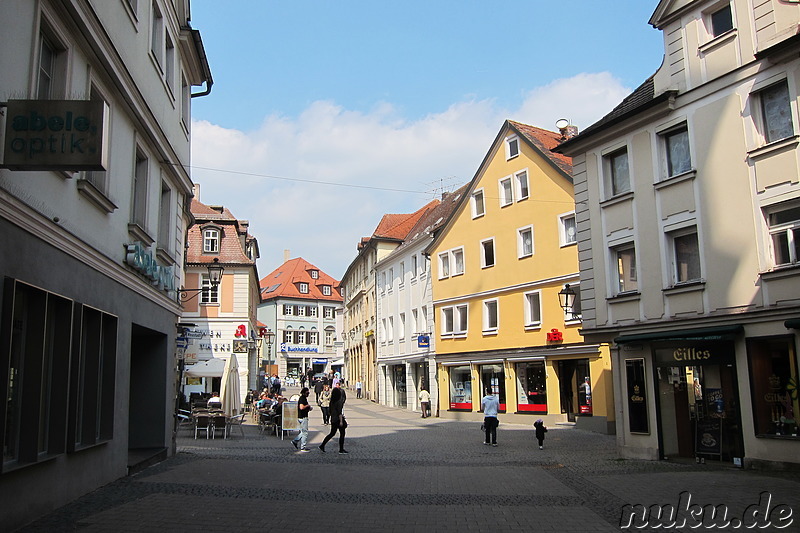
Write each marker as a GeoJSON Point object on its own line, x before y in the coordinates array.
{"type": "Point", "coordinates": [532, 387]}
{"type": "Point", "coordinates": [636, 392]}
{"type": "Point", "coordinates": [493, 380]}
{"type": "Point", "coordinates": [773, 382]}
{"type": "Point", "coordinates": [460, 388]}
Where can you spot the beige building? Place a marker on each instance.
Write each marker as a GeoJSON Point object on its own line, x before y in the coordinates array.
{"type": "Point", "coordinates": [688, 213]}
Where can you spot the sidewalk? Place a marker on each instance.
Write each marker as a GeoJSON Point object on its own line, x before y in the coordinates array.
{"type": "Point", "coordinates": [405, 473]}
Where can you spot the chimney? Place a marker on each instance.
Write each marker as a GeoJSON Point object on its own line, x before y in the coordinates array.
{"type": "Point", "coordinates": [286, 256]}
{"type": "Point", "coordinates": [196, 191]}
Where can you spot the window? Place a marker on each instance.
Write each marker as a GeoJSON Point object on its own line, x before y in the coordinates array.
{"type": "Point", "coordinates": [487, 253]}
{"type": "Point", "coordinates": [390, 330]}
{"type": "Point", "coordinates": [383, 330]}
{"type": "Point", "coordinates": [721, 21]}
{"type": "Point", "coordinates": [51, 74]}
{"type": "Point", "coordinates": [157, 33]}
{"type": "Point", "coordinates": [478, 206]}
{"type": "Point", "coordinates": [415, 321]}
{"type": "Point", "coordinates": [461, 318]}
{"type": "Point", "coordinates": [448, 326]}
{"type": "Point", "coordinates": [521, 179]}
{"type": "Point", "coordinates": [402, 326]}
{"type": "Point", "coordinates": [326, 290]}
{"type": "Point", "coordinates": [460, 387]}
{"type": "Point", "coordinates": [686, 256]}
{"type": "Point", "coordinates": [391, 279]}
{"type": "Point", "coordinates": [329, 337]}
{"type": "Point", "coordinates": [383, 278]}
{"type": "Point", "coordinates": [458, 261]}
{"type": "Point", "coordinates": [533, 309]}
{"type": "Point", "coordinates": [532, 387]}
{"type": "Point", "coordinates": [140, 190]}
{"type": "Point", "coordinates": [313, 338]}
{"type": "Point", "coordinates": [210, 241]}
{"type": "Point", "coordinates": [616, 165]}
{"type": "Point", "coordinates": [567, 229]}
{"type": "Point", "coordinates": [315, 274]}
{"type": "Point", "coordinates": [506, 192]}
{"type": "Point", "coordinates": [414, 266]}
{"type": "Point", "coordinates": [209, 295]}
{"type": "Point", "coordinates": [402, 272]}
{"type": "Point", "coordinates": [776, 112]}
{"type": "Point", "coordinates": [490, 320]}
{"type": "Point", "coordinates": [287, 336]}
{"type": "Point", "coordinates": [312, 311]}
{"type": "Point", "coordinates": [165, 217]}
{"type": "Point", "coordinates": [512, 147]}
{"type": "Point", "coordinates": [525, 242]}
{"type": "Point", "coordinates": [98, 178]}
{"type": "Point", "coordinates": [288, 310]}
{"type": "Point", "coordinates": [300, 337]}
{"type": "Point", "coordinates": [444, 265]}
{"type": "Point", "coordinates": [327, 312]}
{"type": "Point", "coordinates": [454, 320]}
{"type": "Point", "coordinates": [186, 96]}
{"type": "Point", "coordinates": [169, 69]}
{"type": "Point", "coordinates": [301, 310]}
{"type": "Point", "coordinates": [773, 378]}
{"type": "Point", "coordinates": [625, 259]}
{"type": "Point", "coordinates": [676, 150]}
{"type": "Point", "coordinates": [303, 288]}
{"type": "Point", "coordinates": [784, 229]}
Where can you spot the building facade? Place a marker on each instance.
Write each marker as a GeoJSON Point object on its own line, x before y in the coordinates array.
{"type": "Point", "coordinates": [406, 351]}
{"type": "Point", "coordinates": [498, 266]}
{"type": "Point", "coordinates": [95, 128]}
{"type": "Point", "coordinates": [688, 198]}
{"type": "Point", "coordinates": [220, 322]}
{"type": "Point", "coordinates": [299, 303]}
{"type": "Point", "coordinates": [358, 283]}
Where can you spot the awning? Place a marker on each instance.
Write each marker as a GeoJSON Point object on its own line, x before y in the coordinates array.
{"type": "Point", "coordinates": [792, 323]}
{"type": "Point", "coordinates": [701, 334]}
{"type": "Point", "coordinates": [213, 368]}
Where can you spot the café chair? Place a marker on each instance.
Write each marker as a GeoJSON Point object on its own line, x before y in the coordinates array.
{"type": "Point", "coordinates": [237, 420]}
{"type": "Point", "coordinates": [219, 423]}
{"type": "Point", "coordinates": [202, 423]}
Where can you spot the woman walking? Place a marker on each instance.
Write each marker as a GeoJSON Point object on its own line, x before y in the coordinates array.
{"type": "Point", "coordinates": [338, 422]}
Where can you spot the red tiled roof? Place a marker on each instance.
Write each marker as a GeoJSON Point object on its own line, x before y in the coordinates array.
{"type": "Point", "coordinates": [398, 226]}
{"type": "Point", "coordinates": [545, 141]}
{"type": "Point", "coordinates": [284, 282]}
{"type": "Point", "coordinates": [231, 251]}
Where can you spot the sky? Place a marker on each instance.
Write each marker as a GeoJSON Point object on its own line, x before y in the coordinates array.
{"type": "Point", "coordinates": [326, 115]}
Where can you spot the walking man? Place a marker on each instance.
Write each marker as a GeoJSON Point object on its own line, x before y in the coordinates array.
{"type": "Point", "coordinates": [303, 408]}
{"type": "Point", "coordinates": [490, 405]}
{"type": "Point", "coordinates": [358, 388]}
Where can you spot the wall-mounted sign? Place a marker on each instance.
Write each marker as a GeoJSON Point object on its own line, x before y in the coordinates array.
{"type": "Point", "coordinates": [636, 390]}
{"type": "Point", "coordinates": [554, 335]}
{"type": "Point", "coordinates": [289, 348]}
{"type": "Point", "coordinates": [56, 135]}
{"type": "Point", "coordinates": [143, 260]}
{"type": "Point", "coordinates": [423, 341]}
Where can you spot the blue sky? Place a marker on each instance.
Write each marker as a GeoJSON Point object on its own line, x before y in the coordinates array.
{"type": "Point", "coordinates": [319, 105]}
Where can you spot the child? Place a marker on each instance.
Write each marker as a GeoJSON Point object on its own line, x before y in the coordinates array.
{"type": "Point", "coordinates": [540, 431]}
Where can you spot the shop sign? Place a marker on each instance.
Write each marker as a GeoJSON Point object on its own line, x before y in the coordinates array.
{"type": "Point", "coordinates": [289, 348]}
{"type": "Point", "coordinates": [554, 336]}
{"type": "Point", "coordinates": [56, 135]}
{"type": "Point", "coordinates": [143, 260]}
{"type": "Point", "coordinates": [241, 331]}
{"type": "Point", "coordinates": [638, 418]}
{"type": "Point", "coordinates": [423, 341]}
{"type": "Point", "coordinates": [691, 354]}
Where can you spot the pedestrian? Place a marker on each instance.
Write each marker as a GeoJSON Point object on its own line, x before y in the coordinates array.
{"type": "Point", "coordinates": [540, 431]}
{"type": "Point", "coordinates": [318, 386]}
{"type": "Point", "coordinates": [303, 379]}
{"type": "Point", "coordinates": [425, 402]}
{"type": "Point", "coordinates": [338, 421]}
{"type": "Point", "coordinates": [303, 408]}
{"type": "Point", "coordinates": [490, 405]}
{"type": "Point", "coordinates": [358, 388]}
{"type": "Point", "coordinates": [325, 404]}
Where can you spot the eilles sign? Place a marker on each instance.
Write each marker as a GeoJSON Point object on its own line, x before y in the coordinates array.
{"type": "Point", "coordinates": [56, 135]}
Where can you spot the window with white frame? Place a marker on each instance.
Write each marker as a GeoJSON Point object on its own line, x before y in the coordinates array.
{"type": "Point", "coordinates": [487, 253]}
{"type": "Point", "coordinates": [301, 337]}
{"type": "Point", "coordinates": [402, 325]}
{"type": "Point", "coordinates": [423, 322]}
{"type": "Point", "coordinates": [383, 279]}
{"type": "Point", "coordinates": [677, 157]}
{"type": "Point", "coordinates": [186, 96]}
{"type": "Point", "coordinates": [312, 311]}
{"type": "Point", "coordinates": [384, 334]}
{"type": "Point", "coordinates": [329, 333]}
{"type": "Point", "coordinates": [288, 337]}
{"type": "Point", "coordinates": [444, 265]}
{"type": "Point", "coordinates": [567, 229]}
{"type": "Point", "coordinates": [326, 290]}
{"type": "Point", "coordinates": [533, 309]}
{"type": "Point", "coordinates": [719, 21]}
{"type": "Point", "coordinates": [391, 279]}
{"type": "Point", "coordinates": [165, 222]}
{"type": "Point", "coordinates": [313, 337]}
{"type": "Point", "coordinates": [390, 329]}
{"type": "Point", "coordinates": [618, 179]}
{"type": "Point", "coordinates": [288, 310]}
{"type": "Point", "coordinates": [521, 181]}
{"type": "Point", "coordinates": [303, 287]}
{"type": "Point", "coordinates": [314, 274]}
{"type": "Point", "coordinates": [490, 316]}
{"type": "Point", "coordinates": [525, 242]}
{"type": "Point", "coordinates": [686, 255]}
{"type": "Point", "coordinates": [402, 272]}
{"type": "Point", "coordinates": [448, 323]}
{"type": "Point", "coordinates": [461, 319]}
{"type": "Point", "coordinates": [776, 112]}
{"type": "Point", "coordinates": [512, 147]}
{"type": "Point", "coordinates": [140, 176]}
{"type": "Point", "coordinates": [414, 266]}
{"type": "Point", "coordinates": [784, 230]}
{"type": "Point", "coordinates": [209, 294]}
{"type": "Point", "coordinates": [624, 258]}
{"type": "Point", "coordinates": [458, 261]}
{"type": "Point", "coordinates": [454, 320]}
{"type": "Point", "coordinates": [301, 310]}
{"type": "Point", "coordinates": [415, 321]}
{"type": "Point", "coordinates": [210, 241]}
{"type": "Point", "coordinates": [327, 312]}
{"type": "Point", "coordinates": [477, 203]}
{"type": "Point", "coordinates": [506, 190]}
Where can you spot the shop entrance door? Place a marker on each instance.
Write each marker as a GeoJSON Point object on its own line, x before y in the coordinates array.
{"type": "Point", "coordinates": [399, 373]}
{"type": "Point", "coordinates": [572, 374]}
{"type": "Point", "coordinates": [699, 412]}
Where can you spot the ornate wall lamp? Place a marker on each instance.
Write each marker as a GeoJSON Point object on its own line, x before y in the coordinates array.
{"type": "Point", "coordinates": [215, 271]}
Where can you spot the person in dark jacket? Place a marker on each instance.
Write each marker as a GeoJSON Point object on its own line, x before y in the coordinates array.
{"type": "Point", "coordinates": [338, 422]}
{"type": "Point", "coordinates": [540, 431]}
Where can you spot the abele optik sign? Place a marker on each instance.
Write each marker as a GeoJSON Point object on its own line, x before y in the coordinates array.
{"type": "Point", "coordinates": [55, 135]}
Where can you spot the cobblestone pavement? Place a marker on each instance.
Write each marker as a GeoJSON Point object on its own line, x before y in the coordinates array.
{"type": "Point", "coordinates": [409, 474]}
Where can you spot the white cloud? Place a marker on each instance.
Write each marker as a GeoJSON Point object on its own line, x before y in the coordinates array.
{"type": "Point", "coordinates": [319, 210]}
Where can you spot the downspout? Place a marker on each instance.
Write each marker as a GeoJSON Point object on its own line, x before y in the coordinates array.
{"type": "Point", "coordinates": [201, 51]}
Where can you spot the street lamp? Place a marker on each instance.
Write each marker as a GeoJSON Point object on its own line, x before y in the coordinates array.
{"type": "Point", "coordinates": [566, 299]}
{"type": "Point", "coordinates": [267, 334]}
{"type": "Point", "coordinates": [215, 271]}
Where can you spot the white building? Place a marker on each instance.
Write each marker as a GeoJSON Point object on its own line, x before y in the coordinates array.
{"type": "Point", "coordinates": [95, 125]}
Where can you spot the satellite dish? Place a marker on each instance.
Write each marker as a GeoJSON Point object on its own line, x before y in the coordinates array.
{"type": "Point", "coordinates": [562, 123]}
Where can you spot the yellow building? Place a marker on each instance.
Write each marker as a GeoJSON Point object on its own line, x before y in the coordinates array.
{"type": "Point", "coordinates": [498, 266]}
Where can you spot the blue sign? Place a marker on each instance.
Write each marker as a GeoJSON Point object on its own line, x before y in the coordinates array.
{"type": "Point", "coordinates": [423, 341]}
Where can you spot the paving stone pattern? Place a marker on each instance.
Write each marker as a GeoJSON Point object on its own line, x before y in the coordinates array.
{"type": "Point", "coordinates": [407, 474]}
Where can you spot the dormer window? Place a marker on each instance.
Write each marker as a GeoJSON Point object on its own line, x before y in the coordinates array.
{"type": "Point", "coordinates": [315, 274]}
{"type": "Point", "coordinates": [326, 290]}
{"type": "Point", "coordinates": [304, 288]}
{"type": "Point", "coordinates": [211, 241]}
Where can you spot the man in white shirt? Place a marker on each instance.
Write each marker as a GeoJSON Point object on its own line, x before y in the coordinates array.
{"type": "Point", "coordinates": [490, 405]}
